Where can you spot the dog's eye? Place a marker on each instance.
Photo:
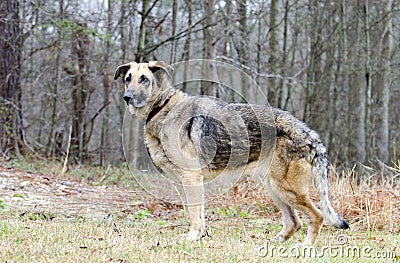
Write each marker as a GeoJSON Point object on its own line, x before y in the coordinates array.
{"type": "Point", "coordinates": [143, 79]}
{"type": "Point", "coordinates": [128, 79]}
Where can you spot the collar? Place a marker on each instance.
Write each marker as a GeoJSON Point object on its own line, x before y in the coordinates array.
{"type": "Point", "coordinates": [156, 110]}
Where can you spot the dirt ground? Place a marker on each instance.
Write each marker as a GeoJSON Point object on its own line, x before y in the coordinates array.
{"type": "Point", "coordinates": [38, 193]}
{"type": "Point", "coordinates": [48, 195]}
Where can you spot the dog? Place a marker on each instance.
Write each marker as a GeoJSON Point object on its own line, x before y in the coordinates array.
{"type": "Point", "coordinates": [198, 138]}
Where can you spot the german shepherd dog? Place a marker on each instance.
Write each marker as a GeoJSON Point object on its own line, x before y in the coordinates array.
{"type": "Point", "coordinates": [191, 138]}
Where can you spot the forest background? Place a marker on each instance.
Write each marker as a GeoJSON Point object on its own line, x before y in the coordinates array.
{"type": "Point", "coordinates": [333, 64]}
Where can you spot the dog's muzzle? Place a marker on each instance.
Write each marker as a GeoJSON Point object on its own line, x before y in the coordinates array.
{"type": "Point", "coordinates": [128, 95]}
{"type": "Point", "coordinates": [136, 101]}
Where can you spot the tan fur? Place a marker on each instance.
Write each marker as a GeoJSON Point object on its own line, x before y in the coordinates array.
{"type": "Point", "coordinates": [180, 150]}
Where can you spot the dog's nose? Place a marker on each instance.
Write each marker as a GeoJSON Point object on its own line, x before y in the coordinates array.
{"type": "Point", "coordinates": [127, 99]}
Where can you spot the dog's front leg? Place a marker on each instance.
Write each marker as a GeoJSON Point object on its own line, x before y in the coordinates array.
{"type": "Point", "coordinates": [194, 201]}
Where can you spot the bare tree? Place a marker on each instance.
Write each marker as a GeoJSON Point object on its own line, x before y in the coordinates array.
{"type": "Point", "coordinates": [368, 74]}
{"type": "Point", "coordinates": [273, 48]}
{"type": "Point", "coordinates": [208, 50]}
{"type": "Point", "coordinates": [11, 136]}
{"type": "Point", "coordinates": [187, 45]}
{"type": "Point", "coordinates": [80, 92]}
{"type": "Point", "coordinates": [358, 85]}
{"type": "Point", "coordinates": [387, 46]}
{"type": "Point", "coordinates": [54, 143]}
{"type": "Point", "coordinates": [106, 75]}
{"type": "Point", "coordinates": [173, 31]}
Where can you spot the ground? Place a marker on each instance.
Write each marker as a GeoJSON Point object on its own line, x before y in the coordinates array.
{"type": "Point", "coordinates": [44, 218]}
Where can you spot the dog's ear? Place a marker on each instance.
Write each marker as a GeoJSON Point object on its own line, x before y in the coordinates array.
{"type": "Point", "coordinates": [121, 70]}
{"type": "Point", "coordinates": [157, 65]}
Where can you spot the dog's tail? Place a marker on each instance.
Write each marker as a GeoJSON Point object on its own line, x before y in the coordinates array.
{"type": "Point", "coordinates": [320, 169]}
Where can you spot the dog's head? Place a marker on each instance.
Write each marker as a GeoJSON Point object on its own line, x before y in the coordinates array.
{"type": "Point", "coordinates": [144, 82]}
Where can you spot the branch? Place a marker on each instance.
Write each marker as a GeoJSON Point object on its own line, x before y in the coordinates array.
{"type": "Point", "coordinates": [144, 16]}
{"type": "Point", "coordinates": [100, 110]}
{"type": "Point", "coordinates": [255, 74]}
{"type": "Point", "coordinates": [161, 21]}
{"type": "Point", "coordinates": [179, 35]}
{"type": "Point", "coordinates": [94, 118]}
{"type": "Point", "coordinates": [39, 49]}
{"type": "Point", "coordinates": [150, 9]}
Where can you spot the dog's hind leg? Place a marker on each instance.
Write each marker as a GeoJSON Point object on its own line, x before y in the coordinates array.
{"type": "Point", "coordinates": [194, 201]}
{"type": "Point", "coordinates": [294, 188]}
{"type": "Point", "coordinates": [290, 218]}
{"type": "Point", "coordinates": [313, 218]}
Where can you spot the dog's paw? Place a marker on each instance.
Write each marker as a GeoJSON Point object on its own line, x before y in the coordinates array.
{"type": "Point", "coordinates": [277, 239]}
{"type": "Point", "coordinates": [194, 235]}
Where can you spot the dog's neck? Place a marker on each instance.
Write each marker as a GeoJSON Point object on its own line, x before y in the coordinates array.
{"type": "Point", "coordinates": [156, 110]}
{"type": "Point", "coordinates": [160, 103]}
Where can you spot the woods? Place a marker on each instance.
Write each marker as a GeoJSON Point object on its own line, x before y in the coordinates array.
{"type": "Point", "coordinates": [333, 64]}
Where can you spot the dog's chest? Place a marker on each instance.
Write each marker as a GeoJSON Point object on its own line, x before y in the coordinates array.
{"type": "Point", "coordinates": [165, 154]}
{"type": "Point", "coordinates": [155, 150]}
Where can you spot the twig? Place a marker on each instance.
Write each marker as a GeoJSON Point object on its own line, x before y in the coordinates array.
{"type": "Point", "coordinates": [178, 36]}
{"type": "Point", "coordinates": [65, 166]}
{"type": "Point", "coordinates": [105, 174]}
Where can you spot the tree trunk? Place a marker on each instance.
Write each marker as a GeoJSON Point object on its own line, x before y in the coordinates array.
{"type": "Point", "coordinates": [330, 69]}
{"type": "Point", "coordinates": [313, 97]}
{"type": "Point", "coordinates": [259, 44]}
{"type": "Point", "coordinates": [296, 31]}
{"type": "Point", "coordinates": [384, 90]}
{"type": "Point", "coordinates": [80, 92]}
{"type": "Point", "coordinates": [11, 136]}
{"type": "Point", "coordinates": [358, 150]}
{"type": "Point", "coordinates": [273, 94]}
{"type": "Point", "coordinates": [173, 33]}
{"type": "Point", "coordinates": [343, 87]}
{"type": "Point", "coordinates": [368, 79]}
{"type": "Point", "coordinates": [105, 127]}
{"type": "Point", "coordinates": [343, 97]}
{"type": "Point", "coordinates": [187, 45]}
{"type": "Point", "coordinates": [283, 72]}
{"type": "Point", "coordinates": [139, 56]}
{"type": "Point", "coordinates": [209, 52]}
{"type": "Point", "coordinates": [242, 46]}
{"type": "Point", "coordinates": [136, 127]}
{"type": "Point", "coordinates": [53, 145]}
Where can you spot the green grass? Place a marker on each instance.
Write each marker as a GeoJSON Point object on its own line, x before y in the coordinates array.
{"type": "Point", "coordinates": [231, 211]}
{"type": "Point", "coordinates": [28, 239]}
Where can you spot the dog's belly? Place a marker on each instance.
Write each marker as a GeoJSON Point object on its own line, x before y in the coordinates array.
{"type": "Point", "coordinates": [220, 169]}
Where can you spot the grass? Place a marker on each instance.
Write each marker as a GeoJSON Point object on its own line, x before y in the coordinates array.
{"type": "Point", "coordinates": [2, 205]}
{"type": "Point", "coordinates": [27, 239]}
{"type": "Point", "coordinates": [240, 224]}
